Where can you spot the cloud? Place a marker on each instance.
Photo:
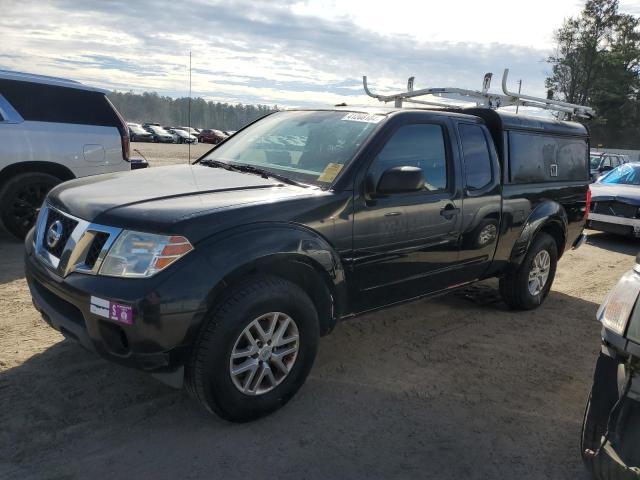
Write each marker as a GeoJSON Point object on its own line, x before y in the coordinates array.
{"type": "Point", "coordinates": [242, 51]}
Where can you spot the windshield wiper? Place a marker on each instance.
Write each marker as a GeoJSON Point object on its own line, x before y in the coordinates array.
{"type": "Point", "coordinates": [251, 169]}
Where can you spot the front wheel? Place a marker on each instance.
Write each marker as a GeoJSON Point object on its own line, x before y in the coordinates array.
{"type": "Point", "coordinates": [526, 287]}
{"type": "Point", "coordinates": [255, 351]}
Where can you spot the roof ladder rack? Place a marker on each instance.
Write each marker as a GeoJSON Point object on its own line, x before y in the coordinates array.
{"type": "Point", "coordinates": [482, 98]}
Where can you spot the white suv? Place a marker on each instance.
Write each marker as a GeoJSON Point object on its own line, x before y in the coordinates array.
{"type": "Point", "coordinates": [52, 130]}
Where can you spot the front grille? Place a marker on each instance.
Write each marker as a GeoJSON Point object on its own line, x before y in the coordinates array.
{"type": "Point", "coordinates": [617, 209]}
{"type": "Point", "coordinates": [96, 247]}
{"type": "Point", "coordinates": [68, 225]}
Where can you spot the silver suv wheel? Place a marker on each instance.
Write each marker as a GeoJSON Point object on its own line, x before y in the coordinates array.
{"type": "Point", "coordinates": [264, 353]}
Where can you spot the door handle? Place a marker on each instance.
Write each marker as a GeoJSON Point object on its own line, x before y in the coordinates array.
{"type": "Point", "coordinates": [392, 214]}
{"type": "Point", "coordinates": [449, 211]}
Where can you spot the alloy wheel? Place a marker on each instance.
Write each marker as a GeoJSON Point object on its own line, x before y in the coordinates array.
{"type": "Point", "coordinates": [264, 353]}
{"type": "Point", "coordinates": [539, 272]}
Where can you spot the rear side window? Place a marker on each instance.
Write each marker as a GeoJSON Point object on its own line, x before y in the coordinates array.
{"type": "Point", "coordinates": [419, 145]}
{"type": "Point", "coordinates": [47, 103]}
{"type": "Point", "coordinates": [544, 158]}
{"type": "Point", "coordinates": [477, 160]}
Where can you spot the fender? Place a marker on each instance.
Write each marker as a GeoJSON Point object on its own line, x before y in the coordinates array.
{"type": "Point", "coordinates": [290, 250]}
{"type": "Point", "coordinates": [547, 214]}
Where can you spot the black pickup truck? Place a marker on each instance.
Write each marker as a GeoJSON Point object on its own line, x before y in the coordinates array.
{"type": "Point", "coordinates": [223, 274]}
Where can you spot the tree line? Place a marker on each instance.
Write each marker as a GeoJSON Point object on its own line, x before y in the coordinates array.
{"type": "Point", "coordinates": [597, 63]}
{"type": "Point", "coordinates": [154, 108]}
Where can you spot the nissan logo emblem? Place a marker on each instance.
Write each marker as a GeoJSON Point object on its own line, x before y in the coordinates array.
{"type": "Point", "coordinates": [54, 234]}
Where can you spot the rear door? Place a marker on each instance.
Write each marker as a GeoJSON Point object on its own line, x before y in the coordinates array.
{"type": "Point", "coordinates": [405, 243]}
{"type": "Point", "coordinates": [482, 203]}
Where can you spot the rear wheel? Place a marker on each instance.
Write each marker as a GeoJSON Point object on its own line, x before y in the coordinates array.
{"type": "Point", "coordinates": [21, 198]}
{"type": "Point", "coordinates": [255, 351]}
{"type": "Point", "coordinates": [526, 287]}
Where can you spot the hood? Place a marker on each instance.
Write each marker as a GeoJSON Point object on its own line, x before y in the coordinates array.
{"type": "Point", "coordinates": [159, 199]}
{"type": "Point", "coordinates": [621, 193]}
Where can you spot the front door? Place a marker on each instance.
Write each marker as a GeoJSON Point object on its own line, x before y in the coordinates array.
{"type": "Point", "coordinates": [404, 243]}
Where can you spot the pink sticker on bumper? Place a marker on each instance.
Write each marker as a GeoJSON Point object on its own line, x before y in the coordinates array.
{"type": "Point", "coordinates": [121, 313]}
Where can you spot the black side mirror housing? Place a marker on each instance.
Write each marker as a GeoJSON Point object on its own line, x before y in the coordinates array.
{"type": "Point", "coordinates": [400, 180]}
{"type": "Point", "coordinates": [606, 168]}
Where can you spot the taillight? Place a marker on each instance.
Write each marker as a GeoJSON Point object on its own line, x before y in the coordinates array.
{"type": "Point", "coordinates": [587, 206]}
{"type": "Point", "coordinates": [126, 144]}
{"type": "Point", "coordinates": [124, 133]}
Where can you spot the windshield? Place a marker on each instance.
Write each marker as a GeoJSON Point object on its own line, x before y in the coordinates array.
{"type": "Point", "coordinates": [309, 147]}
{"type": "Point", "coordinates": [594, 162]}
{"type": "Point", "coordinates": [623, 175]}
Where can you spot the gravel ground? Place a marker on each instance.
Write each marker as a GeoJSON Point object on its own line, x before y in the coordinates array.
{"type": "Point", "coordinates": [450, 388]}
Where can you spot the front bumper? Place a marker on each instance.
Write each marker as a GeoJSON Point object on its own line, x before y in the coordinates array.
{"type": "Point", "coordinates": [166, 312]}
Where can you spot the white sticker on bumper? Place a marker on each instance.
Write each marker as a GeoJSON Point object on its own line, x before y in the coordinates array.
{"type": "Point", "coordinates": [99, 306]}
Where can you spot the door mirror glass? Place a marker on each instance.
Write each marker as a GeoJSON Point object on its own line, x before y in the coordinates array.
{"type": "Point", "coordinates": [401, 180]}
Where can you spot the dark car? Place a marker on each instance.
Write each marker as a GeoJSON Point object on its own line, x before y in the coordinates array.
{"type": "Point", "coordinates": [611, 427]}
{"type": "Point", "coordinates": [211, 136]}
{"type": "Point", "coordinates": [159, 134]}
{"type": "Point", "coordinates": [139, 134]}
{"type": "Point", "coordinates": [615, 202]}
{"type": "Point", "coordinates": [224, 274]}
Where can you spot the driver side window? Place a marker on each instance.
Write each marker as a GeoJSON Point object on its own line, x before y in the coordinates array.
{"type": "Point", "coordinates": [419, 145]}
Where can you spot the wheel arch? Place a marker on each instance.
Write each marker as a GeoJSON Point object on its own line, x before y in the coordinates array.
{"type": "Point", "coordinates": [548, 217]}
{"type": "Point", "coordinates": [295, 253]}
{"type": "Point", "coordinates": [51, 168]}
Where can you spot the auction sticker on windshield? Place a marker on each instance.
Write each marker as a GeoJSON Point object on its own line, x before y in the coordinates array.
{"type": "Point", "coordinates": [362, 117]}
{"type": "Point", "coordinates": [330, 172]}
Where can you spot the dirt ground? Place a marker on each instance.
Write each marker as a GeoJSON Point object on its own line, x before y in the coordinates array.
{"type": "Point", "coordinates": [451, 388]}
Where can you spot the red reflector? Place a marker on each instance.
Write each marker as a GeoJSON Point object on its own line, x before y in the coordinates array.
{"type": "Point", "coordinates": [587, 206]}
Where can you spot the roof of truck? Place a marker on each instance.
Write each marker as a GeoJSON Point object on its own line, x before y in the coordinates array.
{"type": "Point", "coordinates": [498, 119]}
{"type": "Point", "coordinates": [46, 80]}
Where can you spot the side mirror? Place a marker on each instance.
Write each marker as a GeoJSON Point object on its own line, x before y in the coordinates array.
{"type": "Point", "coordinates": [606, 168]}
{"type": "Point", "coordinates": [400, 180]}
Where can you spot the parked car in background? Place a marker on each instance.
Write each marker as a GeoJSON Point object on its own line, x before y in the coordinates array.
{"type": "Point", "coordinates": [181, 136]}
{"type": "Point", "coordinates": [615, 201]}
{"type": "Point", "coordinates": [602, 162]}
{"type": "Point", "coordinates": [139, 134]}
{"type": "Point", "coordinates": [192, 131]}
{"type": "Point", "coordinates": [159, 134]}
{"type": "Point", "coordinates": [262, 247]}
{"type": "Point", "coordinates": [211, 136]}
{"type": "Point", "coordinates": [52, 130]}
{"type": "Point", "coordinates": [610, 438]}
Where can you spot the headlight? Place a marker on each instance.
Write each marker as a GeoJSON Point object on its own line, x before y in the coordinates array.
{"type": "Point", "coordinates": [141, 255]}
{"type": "Point", "coordinates": [617, 307]}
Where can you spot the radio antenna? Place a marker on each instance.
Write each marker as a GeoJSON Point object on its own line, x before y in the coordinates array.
{"type": "Point", "coordinates": [189, 112]}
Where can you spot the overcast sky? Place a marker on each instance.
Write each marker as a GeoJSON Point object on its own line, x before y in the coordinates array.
{"type": "Point", "coordinates": [285, 52]}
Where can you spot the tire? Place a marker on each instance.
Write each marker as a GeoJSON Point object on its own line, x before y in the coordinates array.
{"type": "Point", "coordinates": [601, 467]}
{"type": "Point", "coordinates": [514, 286]}
{"type": "Point", "coordinates": [484, 234]}
{"type": "Point", "coordinates": [20, 199]}
{"type": "Point", "coordinates": [208, 376]}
